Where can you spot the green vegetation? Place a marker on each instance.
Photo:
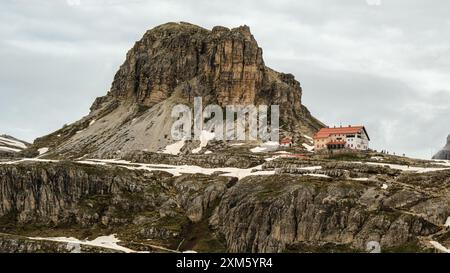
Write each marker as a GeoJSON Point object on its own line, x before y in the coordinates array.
{"type": "Point", "coordinates": [409, 247]}
{"type": "Point", "coordinates": [173, 223]}
{"type": "Point", "coordinates": [199, 236]}
{"type": "Point", "coordinates": [318, 247]}
{"type": "Point", "coordinates": [141, 109]}
{"type": "Point", "coordinates": [349, 156]}
{"type": "Point", "coordinates": [270, 189]}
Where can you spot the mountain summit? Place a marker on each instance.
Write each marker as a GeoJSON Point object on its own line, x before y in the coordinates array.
{"type": "Point", "coordinates": [172, 64]}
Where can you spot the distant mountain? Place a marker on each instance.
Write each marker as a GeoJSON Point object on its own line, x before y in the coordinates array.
{"type": "Point", "coordinates": [172, 64]}
{"type": "Point", "coordinates": [445, 152]}
{"type": "Point", "coordinates": [10, 146]}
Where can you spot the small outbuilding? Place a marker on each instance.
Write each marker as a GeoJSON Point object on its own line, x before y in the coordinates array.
{"type": "Point", "coordinates": [286, 142]}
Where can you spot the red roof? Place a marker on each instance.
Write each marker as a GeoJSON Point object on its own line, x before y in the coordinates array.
{"type": "Point", "coordinates": [286, 140]}
{"type": "Point", "coordinates": [326, 132]}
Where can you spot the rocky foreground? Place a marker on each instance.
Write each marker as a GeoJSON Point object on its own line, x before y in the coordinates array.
{"type": "Point", "coordinates": [252, 202]}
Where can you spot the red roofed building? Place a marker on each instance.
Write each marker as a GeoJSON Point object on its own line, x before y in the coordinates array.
{"type": "Point", "coordinates": [351, 137]}
{"type": "Point", "coordinates": [286, 142]}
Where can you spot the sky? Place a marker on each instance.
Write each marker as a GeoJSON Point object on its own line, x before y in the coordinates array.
{"type": "Point", "coordinates": [384, 64]}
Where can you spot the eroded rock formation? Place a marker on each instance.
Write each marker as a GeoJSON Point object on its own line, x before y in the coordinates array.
{"type": "Point", "coordinates": [172, 64]}
{"type": "Point", "coordinates": [275, 213]}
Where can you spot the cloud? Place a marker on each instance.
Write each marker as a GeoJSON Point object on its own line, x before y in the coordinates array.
{"type": "Point", "coordinates": [73, 2]}
{"type": "Point", "coordinates": [379, 63]}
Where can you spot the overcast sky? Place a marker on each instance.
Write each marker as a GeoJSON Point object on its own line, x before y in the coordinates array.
{"type": "Point", "coordinates": [381, 63]}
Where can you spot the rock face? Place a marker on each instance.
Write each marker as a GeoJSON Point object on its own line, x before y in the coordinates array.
{"type": "Point", "coordinates": [172, 64]}
{"type": "Point", "coordinates": [70, 193]}
{"type": "Point", "coordinates": [222, 64]}
{"type": "Point", "coordinates": [271, 213]}
{"type": "Point", "coordinates": [41, 197]}
{"type": "Point", "coordinates": [445, 152]}
{"type": "Point", "coordinates": [289, 212]}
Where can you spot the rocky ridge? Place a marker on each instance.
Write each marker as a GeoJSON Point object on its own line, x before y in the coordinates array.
{"type": "Point", "coordinates": [279, 211]}
{"type": "Point", "coordinates": [11, 147]}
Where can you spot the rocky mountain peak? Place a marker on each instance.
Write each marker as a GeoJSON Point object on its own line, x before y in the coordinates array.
{"type": "Point", "coordinates": [222, 64]}
{"type": "Point", "coordinates": [445, 152]}
{"type": "Point", "coordinates": [172, 64]}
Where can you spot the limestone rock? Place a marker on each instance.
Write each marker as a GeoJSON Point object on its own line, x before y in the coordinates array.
{"type": "Point", "coordinates": [445, 152]}
{"type": "Point", "coordinates": [172, 64]}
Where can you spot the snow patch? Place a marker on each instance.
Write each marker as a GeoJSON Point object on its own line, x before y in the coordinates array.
{"type": "Point", "coordinates": [308, 138]}
{"type": "Point", "coordinates": [8, 149]}
{"type": "Point", "coordinates": [92, 122]}
{"type": "Point", "coordinates": [361, 179]}
{"type": "Point", "coordinates": [42, 150]}
{"type": "Point", "coordinates": [385, 186]}
{"type": "Point", "coordinates": [26, 160]}
{"type": "Point", "coordinates": [310, 148]}
{"type": "Point", "coordinates": [447, 223]}
{"type": "Point", "coordinates": [208, 152]}
{"type": "Point", "coordinates": [439, 247]}
{"type": "Point", "coordinates": [313, 168]}
{"type": "Point", "coordinates": [110, 242]}
{"type": "Point", "coordinates": [273, 158]}
{"type": "Point", "coordinates": [442, 162]}
{"type": "Point", "coordinates": [405, 167]}
{"type": "Point", "coordinates": [175, 148]}
{"type": "Point", "coordinates": [266, 147]}
{"type": "Point", "coordinates": [318, 175]}
{"type": "Point", "coordinates": [178, 170]}
{"type": "Point", "coordinates": [283, 152]}
{"type": "Point", "coordinates": [12, 142]}
{"type": "Point", "coordinates": [237, 144]}
{"type": "Point", "coordinates": [204, 138]}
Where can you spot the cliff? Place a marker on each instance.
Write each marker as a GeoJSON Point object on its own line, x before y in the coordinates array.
{"type": "Point", "coordinates": [298, 208]}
